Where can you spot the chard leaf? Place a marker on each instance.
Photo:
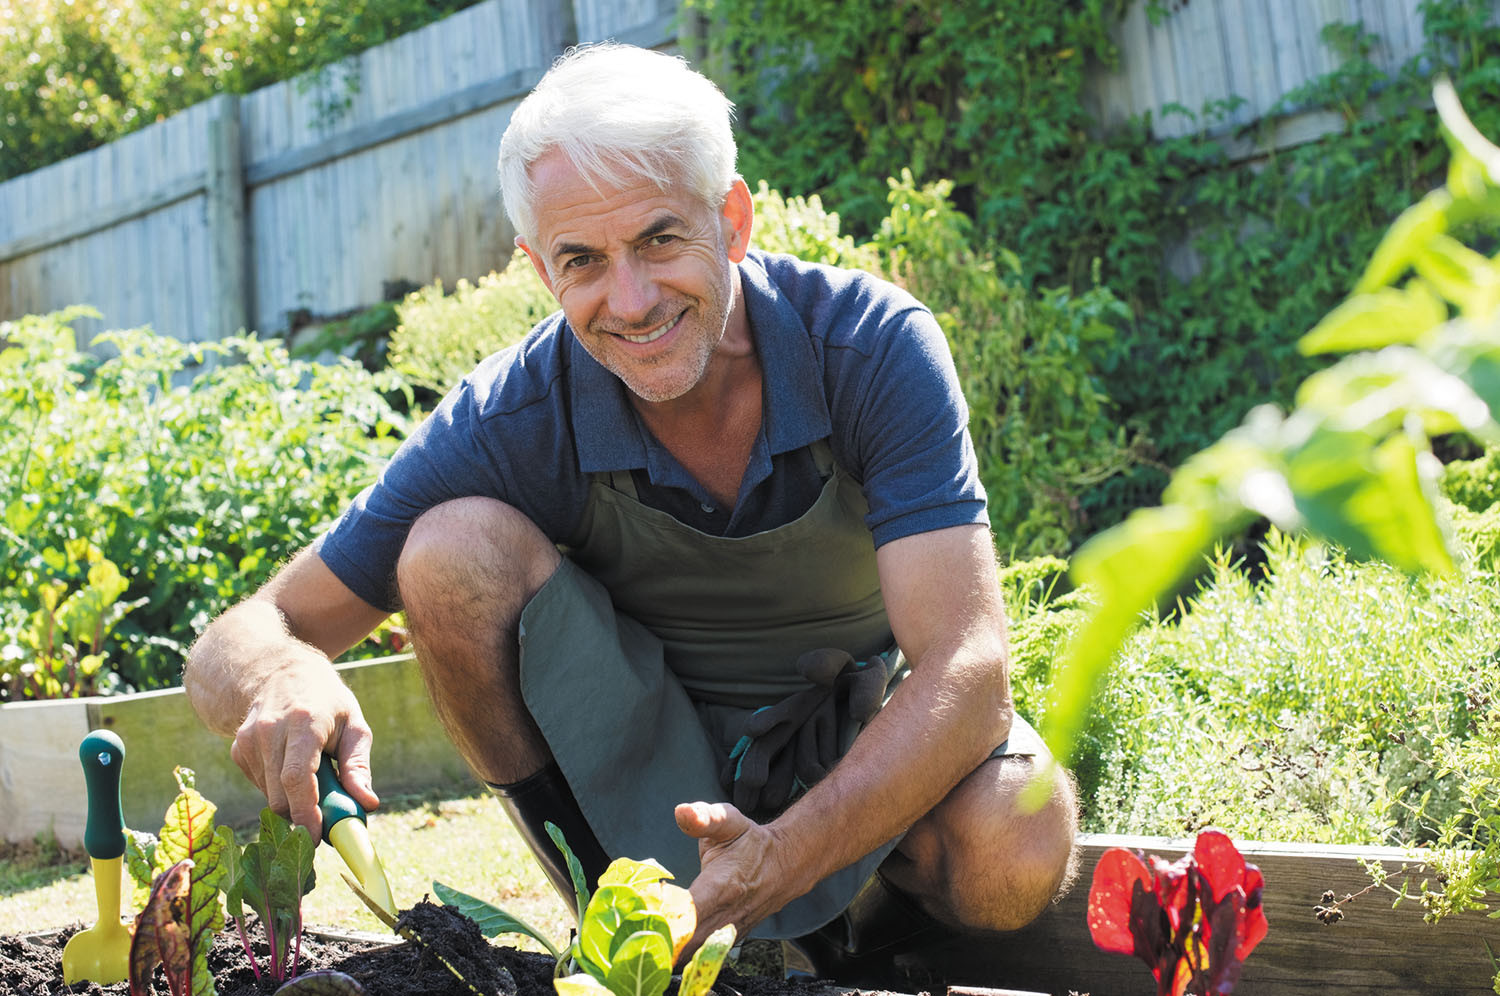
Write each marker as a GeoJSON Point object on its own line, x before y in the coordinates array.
{"type": "Point", "coordinates": [575, 870]}
{"type": "Point", "coordinates": [637, 922]}
{"type": "Point", "coordinates": [140, 860]}
{"type": "Point", "coordinates": [234, 892]}
{"type": "Point", "coordinates": [638, 874]}
{"type": "Point", "coordinates": [642, 965]}
{"type": "Point", "coordinates": [189, 834]}
{"type": "Point", "coordinates": [322, 984]}
{"type": "Point", "coordinates": [606, 911]}
{"type": "Point", "coordinates": [161, 934]}
{"type": "Point", "coordinates": [699, 975]}
{"type": "Point", "coordinates": [682, 916]}
{"type": "Point", "coordinates": [492, 920]}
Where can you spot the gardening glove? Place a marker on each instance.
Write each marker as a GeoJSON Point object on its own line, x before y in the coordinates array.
{"type": "Point", "coordinates": [788, 747]}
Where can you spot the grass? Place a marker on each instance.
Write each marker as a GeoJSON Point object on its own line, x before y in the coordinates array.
{"type": "Point", "coordinates": [464, 842]}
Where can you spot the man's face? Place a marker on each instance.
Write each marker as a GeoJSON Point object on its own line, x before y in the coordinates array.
{"type": "Point", "coordinates": [645, 278]}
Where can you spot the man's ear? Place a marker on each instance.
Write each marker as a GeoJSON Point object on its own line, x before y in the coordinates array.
{"type": "Point", "coordinates": [536, 263]}
{"type": "Point", "coordinates": [738, 220]}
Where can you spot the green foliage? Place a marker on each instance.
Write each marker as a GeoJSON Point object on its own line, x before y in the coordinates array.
{"type": "Point", "coordinates": [1317, 695]}
{"type": "Point", "coordinates": [441, 337]}
{"type": "Point", "coordinates": [1350, 463]}
{"type": "Point", "coordinates": [75, 74]}
{"type": "Point", "coordinates": [1043, 427]}
{"type": "Point", "coordinates": [993, 97]}
{"type": "Point", "coordinates": [271, 875]}
{"type": "Point", "coordinates": [631, 930]}
{"type": "Point", "coordinates": [188, 835]}
{"type": "Point", "coordinates": [191, 487]}
{"type": "Point", "coordinates": [1474, 484]}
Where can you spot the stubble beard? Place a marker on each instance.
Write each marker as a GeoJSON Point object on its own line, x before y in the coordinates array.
{"type": "Point", "coordinates": [686, 371]}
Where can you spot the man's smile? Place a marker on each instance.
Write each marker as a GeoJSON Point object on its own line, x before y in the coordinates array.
{"type": "Point", "coordinates": [653, 335]}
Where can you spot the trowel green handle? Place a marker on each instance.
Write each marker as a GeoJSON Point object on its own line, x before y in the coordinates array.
{"type": "Point", "coordinates": [103, 755]}
{"type": "Point", "coordinates": [336, 804]}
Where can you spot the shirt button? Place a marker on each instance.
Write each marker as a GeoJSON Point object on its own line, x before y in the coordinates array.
{"type": "Point", "coordinates": [707, 507]}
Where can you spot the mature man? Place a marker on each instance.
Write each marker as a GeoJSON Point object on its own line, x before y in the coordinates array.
{"type": "Point", "coordinates": [703, 526]}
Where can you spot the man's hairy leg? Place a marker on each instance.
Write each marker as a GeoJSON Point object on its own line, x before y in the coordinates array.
{"type": "Point", "coordinates": [468, 569]}
{"type": "Point", "coordinates": [979, 860]}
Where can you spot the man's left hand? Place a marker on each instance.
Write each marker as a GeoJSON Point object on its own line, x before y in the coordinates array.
{"type": "Point", "coordinates": [744, 877]}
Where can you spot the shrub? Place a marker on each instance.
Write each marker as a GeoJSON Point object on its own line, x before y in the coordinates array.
{"type": "Point", "coordinates": [1321, 704]}
{"type": "Point", "coordinates": [441, 337]}
{"type": "Point", "coordinates": [194, 493]}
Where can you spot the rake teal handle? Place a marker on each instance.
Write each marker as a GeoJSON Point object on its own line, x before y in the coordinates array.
{"type": "Point", "coordinates": [336, 804]}
{"type": "Point", "coordinates": [103, 755]}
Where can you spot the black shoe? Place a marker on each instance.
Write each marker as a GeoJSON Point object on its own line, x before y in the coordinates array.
{"type": "Point", "coordinates": [860, 945]}
{"type": "Point", "coordinates": [544, 798]}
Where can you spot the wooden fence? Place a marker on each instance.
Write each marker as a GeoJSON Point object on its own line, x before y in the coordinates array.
{"type": "Point", "coordinates": [321, 196]}
{"type": "Point", "coordinates": [313, 196]}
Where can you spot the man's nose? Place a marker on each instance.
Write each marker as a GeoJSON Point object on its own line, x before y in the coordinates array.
{"type": "Point", "coordinates": [632, 292]}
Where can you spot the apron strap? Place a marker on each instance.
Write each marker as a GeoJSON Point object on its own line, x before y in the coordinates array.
{"type": "Point", "coordinates": [622, 481]}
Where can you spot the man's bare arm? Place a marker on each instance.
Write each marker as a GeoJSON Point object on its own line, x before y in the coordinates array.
{"type": "Point", "coordinates": [262, 673]}
{"type": "Point", "coordinates": [946, 611]}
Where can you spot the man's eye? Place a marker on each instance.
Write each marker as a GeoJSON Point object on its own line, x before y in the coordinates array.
{"type": "Point", "coordinates": [575, 262]}
{"type": "Point", "coordinates": [661, 240]}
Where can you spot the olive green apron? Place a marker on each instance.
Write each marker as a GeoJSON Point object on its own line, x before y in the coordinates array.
{"type": "Point", "coordinates": [640, 654]}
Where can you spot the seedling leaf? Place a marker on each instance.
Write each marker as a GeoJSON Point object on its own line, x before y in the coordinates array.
{"type": "Point", "coordinates": [642, 965]}
{"type": "Point", "coordinates": [699, 975]}
{"type": "Point", "coordinates": [322, 984]}
{"type": "Point", "coordinates": [606, 911]}
{"type": "Point", "coordinates": [161, 934]}
{"type": "Point", "coordinates": [575, 869]}
{"type": "Point", "coordinates": [637, 874]}
{"type": "Point", "coordinates": [492, 920]}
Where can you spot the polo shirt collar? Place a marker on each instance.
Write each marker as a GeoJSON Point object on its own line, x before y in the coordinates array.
{"type": "Point", "coordinates": [609, 436]}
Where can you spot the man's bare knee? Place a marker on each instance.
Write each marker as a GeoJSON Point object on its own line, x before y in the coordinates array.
{"type": "Point", "coordinates": [474, 551]}
{"type": "Point", "coordinates": [1012, 868]}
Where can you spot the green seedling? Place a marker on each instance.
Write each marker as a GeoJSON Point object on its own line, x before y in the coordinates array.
{"type": "Point", "coordinates": [183, 867]}
{"type": "Point", "coordinates": [631, 931]}
{"type": "Point", "coordinates": [271, 875]}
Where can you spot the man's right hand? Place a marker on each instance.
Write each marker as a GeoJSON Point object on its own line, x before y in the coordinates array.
{"type": "Point", "coordinates": [300, 712]}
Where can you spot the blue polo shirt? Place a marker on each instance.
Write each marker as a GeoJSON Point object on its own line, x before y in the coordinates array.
{"type": "Point", "coordinates": [844, 357]}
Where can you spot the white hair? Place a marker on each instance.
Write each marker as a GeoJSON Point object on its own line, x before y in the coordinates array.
{"type": "Point", "coordinates": [620, 113]}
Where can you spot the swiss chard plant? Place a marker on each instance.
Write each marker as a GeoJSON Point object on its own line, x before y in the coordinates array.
{"type": "Point", "coordinates": [1193, 922]}
{"type": "Point", "coordinates": [271, 875]}
{"type": "Point", "coordinates": [181, 873]}
{"type": "Point", "coordinates": [631, 931]}
{"type": "Point", "coordinates": [179, 877]}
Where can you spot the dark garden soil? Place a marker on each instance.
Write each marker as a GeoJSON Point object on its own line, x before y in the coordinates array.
{"type": "Point", "coordinates": [34, 967]}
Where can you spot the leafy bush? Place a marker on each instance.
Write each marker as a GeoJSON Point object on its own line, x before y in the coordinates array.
{"type": "Point", "coordinates": [1317, 698]}
{"type": "Point", "coordinates": [441, 337]}
{"type": "Point", "coordinates": [1332, 701]}
{"type": "Point", "coordinates": [194, 493]}
{"type": "Point", "coordinates": [1042, 425]}
{"type": "Point", "coordinates": [75, 74]}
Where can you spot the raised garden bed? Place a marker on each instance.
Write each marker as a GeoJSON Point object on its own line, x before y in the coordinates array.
{"type": "Point", "coordinates": [1374, 949]}
{"type": "Point", "coordinates": [41, 790]}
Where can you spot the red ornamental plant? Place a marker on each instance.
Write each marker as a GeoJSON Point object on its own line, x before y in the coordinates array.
{"type": "Point", "coordinates": [1193, 921]}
